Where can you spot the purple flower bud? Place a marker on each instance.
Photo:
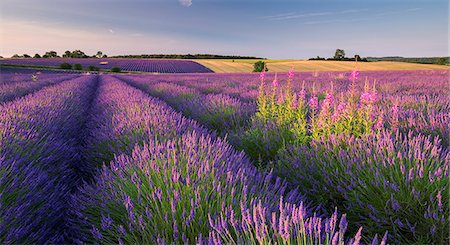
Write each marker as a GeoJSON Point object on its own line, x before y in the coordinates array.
{"type": "Point", "coordinates": [343, 224]}
{"type": "Point", "coordinates": [96, 233]}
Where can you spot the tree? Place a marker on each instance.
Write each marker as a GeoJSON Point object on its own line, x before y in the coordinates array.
{"type": "Point", "coordinates": [339, 54]}
{"type": "Point", "coordinates": [37, 56]}
{"type": "Point", "coordinates": [93, 68]}
{"type": "Point", "coordinates": [260, 66]}
{"type": "Point", "coordinates": [442, 61]}
{"type": "Point", "coordinates": [78, 54]}
{"type": "Point", "coordinates": [15, 56]}
{"type": "Point", "coordinates": [357, 57]}
{"type": "Point", "coordinates": [115, 69]}
{"type": "Point", "coordinates": [26, 56]}
{"type": "Point", "coordinates": [78, 67]}
{"type": "Point", "coordinates": [105, 56]}
{"type": "Point", "coordinates": [50, 54]}
{"type": "Point", "coordinates": [65, 66]}
{"type": "Point", "coordinates": [99, 54]}
{"type": "Point", "coordinates": [67, 54]}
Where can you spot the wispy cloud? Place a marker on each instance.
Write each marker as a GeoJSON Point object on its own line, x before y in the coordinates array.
{"type": "Point", "coordinates": [277, 15]}
{"type": "Point", "coordinates": [186, 3]}
{"type": "Point", "coordinates": [137, 35]}
{"type": "Point", "coordinates": [287, 16]}
{"type": "Point", "coordinates": [349, 11]}
{"type": "Point", "coordinates": [336, 21]}
{"type": "Point", "coordinates": [111, 31]}
{"type": "Point", "coordinates": [398, 11]}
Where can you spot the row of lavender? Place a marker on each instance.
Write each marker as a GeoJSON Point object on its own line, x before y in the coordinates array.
{"type": "Point", "coordinates": [15, 86]}
{"type": "Point", "coordinates": [40, 162]}
{"type": "Point", "coordinates": [144, 65]}
{"type": "Point", "coordinates": [383, 161]}
{"type": "Point", "coordinates": [170, 181]}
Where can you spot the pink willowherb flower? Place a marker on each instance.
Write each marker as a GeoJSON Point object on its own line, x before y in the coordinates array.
{"type": "Point", "coordinates": [294, 102]}
{"type": "Point", "coordinates": [380, 122]}
{"type": "Point", "coordinates": [275, 82]}
{"type": "Point", "coordinates": [314, 103]}
{"type": "Point", "coordinates": [365, 98]}
{"type": "Point", "coordinates": [329, 101]}
{"type": "Point", "coordinates": [262, 75]}
{"type": "Point", "coordinates": [281, 98]}
{"type": "Point", "coordinates": [291, 73]}
{"type": "Point", "coordinates": [354, 75]}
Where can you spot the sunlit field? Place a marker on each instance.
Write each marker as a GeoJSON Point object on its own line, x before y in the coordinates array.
{"type": "Point", "coordinates": [297, 157]}
{"type": "Point", "coordinates": [223, 66]}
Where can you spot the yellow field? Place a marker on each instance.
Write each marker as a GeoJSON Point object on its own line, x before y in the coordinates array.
{"type": "Point", "coordinates": [221, 66]}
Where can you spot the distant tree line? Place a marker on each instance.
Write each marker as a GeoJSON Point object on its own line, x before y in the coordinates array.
{"type": "Point", "coordinates": [67, 54]}
{"type": "Point", "coordinates": [340, 56]}
{"type": "Point", "coordinates": [99, 54]}
{"type": "Point", "coordinates": [420, 60]}
{"type": "Point", "coordinates": [187, 56]}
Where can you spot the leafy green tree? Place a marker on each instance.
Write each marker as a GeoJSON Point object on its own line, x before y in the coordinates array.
{"type": "Point", "coordinates": [15, 56]}
{"type": "Point", "coordinates": [65, 66]}
{"type": "Point", "coordinates": [67, 54]}
{"type": "Point", "coordinates": [78, 67]}
{"type": "Point", "coordinates": [93, 68]}
{"type": "Point", "coordinates": [442, 61]}
{"type": "Point", "coordinates": [339, 54]}
{"type": "Point", "coordinates": [37, 56]}
{"type": "Point", "coordinates": [115, 69]}
{"type": "Point", "coordinates": [50, 54]}
{"type": "Point", "coordinates": [260, 66]}
{"type": "Point", "coordinates": [78, 54]}
{"type": "Point", "coordinates": [99, 54]}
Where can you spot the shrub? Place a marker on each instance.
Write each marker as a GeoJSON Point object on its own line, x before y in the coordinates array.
{"type": "Point", "coordinates": [93, 68]}
{"type": "Point", "coordinates": [260, 66]}
{"type": "Point", "coordinates": [65, 66]}
{"type": "Point", "coordinates": [78, 67]}
{"type": "Point", "coordinates": [442, 61]}
{"type": "Point", "coordinates": [115, 69]}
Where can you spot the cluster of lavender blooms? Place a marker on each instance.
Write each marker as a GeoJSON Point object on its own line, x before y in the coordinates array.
{"type": "Point", "coordinates": [39, 148]}
{"type": "Point", "coordinates": [12, 87]}
{"type": "Point", "coordinates": [383, 181]}
{"type": "Point", "coordinates": [181, 185]}
{"type": "Point", "coordinates": [218, 112]}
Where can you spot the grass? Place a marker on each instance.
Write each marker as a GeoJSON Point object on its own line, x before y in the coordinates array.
{"type": "Point", "coordinates": [222, 66]}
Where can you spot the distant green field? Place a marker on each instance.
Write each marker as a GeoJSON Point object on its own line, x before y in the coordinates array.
{"type": "Point", "coordinates": [222, 66]}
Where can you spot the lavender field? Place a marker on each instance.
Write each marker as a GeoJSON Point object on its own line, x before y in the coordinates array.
{"type": "Point", "coordinates": [143, 65]}
{"type": "Point", "coordinates": [239, 158]}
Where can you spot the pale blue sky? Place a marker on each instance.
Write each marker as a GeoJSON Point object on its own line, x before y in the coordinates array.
{"type": "Point", "coordinates": [272, 29]}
